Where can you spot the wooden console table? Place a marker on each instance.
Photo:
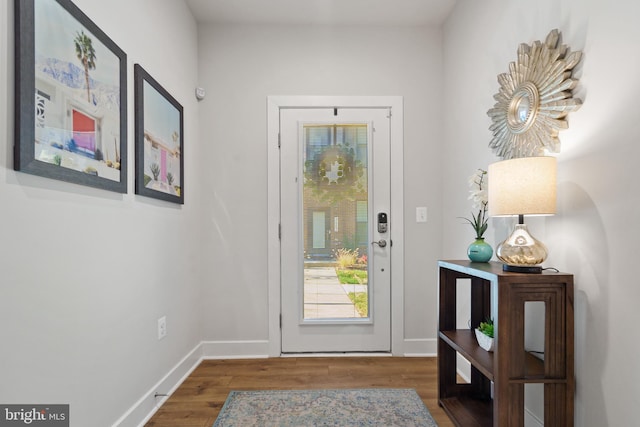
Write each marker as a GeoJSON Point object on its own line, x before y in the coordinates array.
{"type": "Point", "coordinates": [495, 395]}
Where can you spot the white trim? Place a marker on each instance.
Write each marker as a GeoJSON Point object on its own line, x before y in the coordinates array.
{"type": "Point", "coordinates": [530, 420]}
{"type": "Point", "coordinates": [422, 347]}
{"type": "Point", "coordinates": [256, 349]}
{"type": "Point", "coordinates": [365, 354]}
{"type": "Point", "coordinates": [148, 404]}
{"type": "Point", "coordinates": [464, 369]}
{"type": "Point", "coordinates": [142, 411]}
{"type": "Point", "coordinates": [273, 225]}
{"type": "Point", "coordinates": [274, 104]}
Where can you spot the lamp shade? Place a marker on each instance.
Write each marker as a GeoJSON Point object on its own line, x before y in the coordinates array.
{"type": "Point", "coordinates": [522, 186]}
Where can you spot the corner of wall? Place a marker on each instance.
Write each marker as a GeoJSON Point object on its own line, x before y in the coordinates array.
{"type": "Point", "coordinates": [142, 411]}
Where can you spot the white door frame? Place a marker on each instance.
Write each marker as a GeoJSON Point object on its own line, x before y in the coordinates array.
{"type": "Point", "coordinates": [396, 215]}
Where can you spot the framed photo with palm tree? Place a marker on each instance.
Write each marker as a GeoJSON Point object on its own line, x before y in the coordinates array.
{"type": "Point", "coordinates": [71, 97]}
{"type": "Point", "coordinates": [159, 140]}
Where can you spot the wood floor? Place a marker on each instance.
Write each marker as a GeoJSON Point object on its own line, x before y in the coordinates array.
{"type": "Point", "coordinates": [197, 402]}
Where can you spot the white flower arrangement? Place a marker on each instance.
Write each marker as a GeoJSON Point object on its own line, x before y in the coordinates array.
{"type": "Point", "coordinates": [479, 196]}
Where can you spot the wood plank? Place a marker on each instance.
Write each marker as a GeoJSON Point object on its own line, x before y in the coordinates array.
{"type": "Point", "coordinates": [465, 342]}
{"type": "Point", "coordinates": [199, 399]}
{"type": "Point", "coordinates": [468, 412]}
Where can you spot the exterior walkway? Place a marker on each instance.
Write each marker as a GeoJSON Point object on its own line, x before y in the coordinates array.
{"type": "Point", "coordinates": [325, 297]}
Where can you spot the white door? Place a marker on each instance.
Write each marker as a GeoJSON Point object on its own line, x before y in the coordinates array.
{"type": "Point", "coordinates": [335, 235]}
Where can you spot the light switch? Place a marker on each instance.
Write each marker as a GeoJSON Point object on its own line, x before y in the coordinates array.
{"type": "Point", "coordinates": [421, 214]}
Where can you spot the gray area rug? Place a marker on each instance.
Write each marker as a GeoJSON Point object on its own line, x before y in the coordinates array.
{"type": "Point", "coordinates": [298, 408]}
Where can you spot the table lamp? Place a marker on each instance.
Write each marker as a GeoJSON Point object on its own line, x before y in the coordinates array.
{"type": "Point", "coordinates": [522, 186]}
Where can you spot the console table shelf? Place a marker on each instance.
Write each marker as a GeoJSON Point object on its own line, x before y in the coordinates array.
{"type": "Point", "coordinates": [495, 395]}
{"type": "Point", "coordinates": [464, 341]}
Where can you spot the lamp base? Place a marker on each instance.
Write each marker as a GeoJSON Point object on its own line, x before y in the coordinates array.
{"type": "Point", "coordinates": [521, 252]}
{"type": "Point", "coordinates": [520, 269]}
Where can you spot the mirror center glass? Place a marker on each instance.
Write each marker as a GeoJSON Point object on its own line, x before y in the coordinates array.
{"type": "Point", "coordinates": [523, 108]}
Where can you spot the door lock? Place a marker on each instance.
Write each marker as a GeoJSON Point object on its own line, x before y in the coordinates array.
{"type": "Point", "coordinates": [382, 243]}
{"type": "Point", "coordinates": [382, 222]}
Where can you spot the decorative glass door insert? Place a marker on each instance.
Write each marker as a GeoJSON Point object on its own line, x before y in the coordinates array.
{"type": "Point", "coordinates": [335, 221]}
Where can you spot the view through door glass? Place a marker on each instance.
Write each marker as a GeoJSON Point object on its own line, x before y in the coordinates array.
{"type": "Point", "coordinates": [335, 221]}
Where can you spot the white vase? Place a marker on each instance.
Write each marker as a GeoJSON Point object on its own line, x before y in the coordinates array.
{"type": "Point", "coordinates": [484, 341]}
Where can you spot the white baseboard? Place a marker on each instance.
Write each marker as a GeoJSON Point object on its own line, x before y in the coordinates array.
{"type": "Point", "coordinates": [464, 368]}
{"type": "Point", "coordinates": [256, 349]}
{"type": "Point", "coordinates": [423, 347]}
{"type": "Point", "coordinates": [148, 404]}
{"type": "Point", "coordinates": [530, 420]}
{"type": "Point", "coordinates": [309, 355]}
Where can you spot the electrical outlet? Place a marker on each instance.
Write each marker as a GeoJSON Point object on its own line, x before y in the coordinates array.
{"type": "Point", "coordinates": [162, 327]}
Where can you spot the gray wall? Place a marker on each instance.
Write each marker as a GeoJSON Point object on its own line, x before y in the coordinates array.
{"type": "Point", "coordinates": [594, 233]}
{"type": "Point", "coordinates": [86, 273]}
{"type": "Point", "coordinates": [240, 66]}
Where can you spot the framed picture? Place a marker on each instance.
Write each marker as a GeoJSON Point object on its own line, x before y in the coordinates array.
{"type": "Point", "coordinates": [71, 97]}
{"type": "Point", "coordinates": [159, 140]}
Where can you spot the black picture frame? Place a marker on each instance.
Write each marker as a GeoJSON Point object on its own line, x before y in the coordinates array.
{"type": "Point", "coordinates": [60, 133]}
{"type": "Point", "coordinates": [159, 124]}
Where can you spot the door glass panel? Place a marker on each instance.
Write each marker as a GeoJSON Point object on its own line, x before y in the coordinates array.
{"type": "Point", "coordinates": [336, 221]}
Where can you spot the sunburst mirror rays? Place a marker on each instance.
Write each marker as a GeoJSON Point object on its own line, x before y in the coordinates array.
{"type": "Point", "coordinates": [533, 100]}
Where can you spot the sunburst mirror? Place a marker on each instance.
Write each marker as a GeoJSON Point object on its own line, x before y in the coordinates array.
{"type": "Point", "coordinates": [534, 99]}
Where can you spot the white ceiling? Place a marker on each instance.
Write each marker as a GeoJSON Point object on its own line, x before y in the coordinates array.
{"type": "Point", "coordinates": [322, 12]}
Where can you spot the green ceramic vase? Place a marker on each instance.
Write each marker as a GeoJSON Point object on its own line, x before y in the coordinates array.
{"type": "Point", "coordinates": [480, 251]}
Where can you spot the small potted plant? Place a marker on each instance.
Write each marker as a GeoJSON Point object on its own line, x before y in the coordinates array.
{"type": "Point", "coordinates": [479, 250]}
{"type": "Point", "coordinates": [484, 334]}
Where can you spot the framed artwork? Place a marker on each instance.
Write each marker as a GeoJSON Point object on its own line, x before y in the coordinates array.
{"type": "Point", "coordinates": [159, 140]}
{"type": "Point", "coordinates": [71, 97]}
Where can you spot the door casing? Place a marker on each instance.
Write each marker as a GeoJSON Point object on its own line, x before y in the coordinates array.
{"type": "Point", "coordinates": [274, 104]}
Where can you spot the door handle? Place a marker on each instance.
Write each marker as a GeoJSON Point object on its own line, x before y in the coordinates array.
{"type": "Point", "coordinates": [382, 243]}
